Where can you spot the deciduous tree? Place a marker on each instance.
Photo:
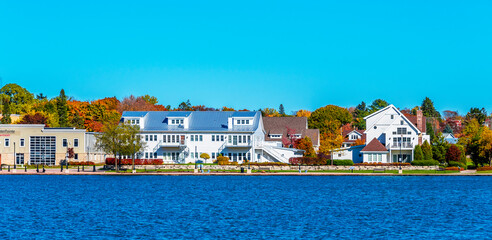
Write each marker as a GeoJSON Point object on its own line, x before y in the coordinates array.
{"type": "Point", "coordinates": [307, 145]}
{"type": "Point", "coordinates": [303, 113]}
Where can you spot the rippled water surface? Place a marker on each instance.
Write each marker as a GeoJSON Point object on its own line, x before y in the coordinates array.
{"type": "Point", "coordinates": [244, 207]}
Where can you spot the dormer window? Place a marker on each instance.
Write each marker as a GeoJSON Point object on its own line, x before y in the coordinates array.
{"type": "Point", "coordinates": [243, 121]}
{"type": "Point", "coordinates": [177, 121]}
{"type": "Point", "coordinates": [275, 135]}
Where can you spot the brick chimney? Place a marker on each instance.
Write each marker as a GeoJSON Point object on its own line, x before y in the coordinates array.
{"type": "Point", "coordinates": [420, 124]}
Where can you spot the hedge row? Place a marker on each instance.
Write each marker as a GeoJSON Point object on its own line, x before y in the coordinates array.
{"type": "Point", "coordinates": [484, 169]}
{"type": "Point", "coordinates": [265, 164]}
{"type": "Point", "coordinates": [307, 161]}
{"type": "Point", "coordinates": [382, 164]}
{"type": "Point", "coordinates": [87, 163]}
{"type": "Point", "coordinates": [342, 162]}
{"type": "Point", "coordinates": [454, 169]}
{"type": "Point", "coordinates": [425, 163]}
{"type": "Point", "coordinates": [110, 161]}
{"type": "Point", "coordinates": [456, 164]}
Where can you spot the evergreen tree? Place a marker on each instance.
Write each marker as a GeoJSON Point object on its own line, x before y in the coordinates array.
{"type": "Point", "coordinates": [479, 114]}
{"type": "Point", "coordinates": [430, 131]}
{"type": "Point", "coordinates": [359, 113]}
{"type": "Point", "coordinates": [281, 110]}
{"type": "Point", "coordinates": [439, 148]}
{"type": "Point", "coordinates": [428, 108]}
{"type": "Point", "coordinates": [377, 105]}
{"type": "Point", "coordinates": [447, 129]}
{"type": "Point", "coordinates": [427, 151]}
{"type": "Point", "coordinates": [6, 111]}
{"type": "Point", "coordinates": [419, 155]}
{"type": "Point", "coordinates": [62, 109]}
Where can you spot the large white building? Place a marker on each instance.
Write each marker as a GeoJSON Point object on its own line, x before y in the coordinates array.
{"type": "Point", "coordinates": [181, 137]}
{"type": "Point", "coordinates": [392, 136]}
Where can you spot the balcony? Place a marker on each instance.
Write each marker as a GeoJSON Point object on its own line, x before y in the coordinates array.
{"type": "Point", "coordinates": [399, 146]}
{"type": "Point", "coordinates": [235, 144]}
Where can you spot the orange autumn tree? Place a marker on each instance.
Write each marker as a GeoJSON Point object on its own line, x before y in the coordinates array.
{"type": "Point", "coordinates": [307, 145]}
{"type": "Point", "coordinates": [303, 113]}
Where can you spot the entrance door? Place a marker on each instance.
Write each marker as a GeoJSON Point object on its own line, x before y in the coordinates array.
{"type": "Point", "coordinates": [19, 158]}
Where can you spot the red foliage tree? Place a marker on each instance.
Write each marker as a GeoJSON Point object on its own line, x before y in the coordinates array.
{"type": "Point", "coordinates": [453, 154]}
{"type": "Point", "coordinates": [34, 118]}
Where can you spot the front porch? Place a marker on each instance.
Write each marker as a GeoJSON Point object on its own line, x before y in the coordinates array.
{"type": "Point", "coordinates": [396, 156]}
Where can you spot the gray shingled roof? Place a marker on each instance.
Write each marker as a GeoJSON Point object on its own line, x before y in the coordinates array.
{"type": "Point", "coordinates": [198, 120]}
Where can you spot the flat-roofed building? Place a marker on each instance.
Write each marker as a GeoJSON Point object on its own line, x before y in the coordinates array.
{"type": "Point", "coordinates": [36, 144]}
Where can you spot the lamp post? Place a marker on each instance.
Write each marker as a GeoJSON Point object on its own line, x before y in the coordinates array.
{"type": "Point", "coordinates": [134, 143]}
{"type": "Point", "coordinates": [15, 159]}
{"type": "Point", "coordinates": [401, 156]}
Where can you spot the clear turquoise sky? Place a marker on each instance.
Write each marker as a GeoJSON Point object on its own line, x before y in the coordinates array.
{"type": "Point", "coordinates": [253, 54]}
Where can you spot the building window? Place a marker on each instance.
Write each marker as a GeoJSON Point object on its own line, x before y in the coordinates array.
{"type": "Point", "coordinates": [247, 121]}
{"type": "Point", "coordinates": [213, 138]}
{"type": "Point", "coordinates": [181, 121]}
{"type": "Point", "coordinates": [76, 142]}
{"type": "Point", "coordinates": [243, 121]}
{"type": "Point", "coordinates": [238, 121]}
{"type": "Point", "coordinates": [164, 139]}
{"type": "Point", "coordinates": [173, 122]}
{"type": "Point", "coordinates": [401, 122]}
{"type": "Point", "coordinates": [401, 131]}
{"type": "Point", "coordinates": [192, 138]}
{"type": "Point", "coordinates": [201, 138]}
{"type": "Point", "coordinates": [155, 137]}
{"type": "Point", "coordinates": [42, 150]}
{"type": "Point", "coordinates": [155, 155]}
{"type": "Point", "coordinates": [76, 156]}
{"type": "Point", "coordinates": [275, 135]}
{"type": "Point", "coordinates": [375, 127]}
{"type": "Point", "coordinates": [146, 138]}
{"type": "Point", "coordinates": [22, 143]}
{"type": "Point", "coordinates": [146, 155]}
{"type": "Point", "coordinates": [138, 121]}
{"type": "Point", "coordinates": [392, 116]}
{"type": "Point", "coordinates": [133, 121]}
{"type": "Point", "coordinates": [222, 138]}
{"type": "Point", "coordinates": [213, 155]}
{"type": "Point", "coordinates": [65, 143]}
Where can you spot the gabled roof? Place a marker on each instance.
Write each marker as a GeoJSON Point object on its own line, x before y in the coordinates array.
{"type": "Point", "coordinates": [179, 114]}
{"type": "Point", "coordinates": [279, 125]}
{"type": "Point", "coordinates": [134, 114]}
{"type": "Point", "coordinates": [398, 111]}
{"type": "Point", "coordinates": [345, 133]}
{"type": "Point", "coordinates": [374, 146]}
{"type": "Point", "coordinates": [198, 121]}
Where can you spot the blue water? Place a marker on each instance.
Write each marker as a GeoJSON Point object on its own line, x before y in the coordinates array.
{"type": "Point", "coordinates": [244, 207]}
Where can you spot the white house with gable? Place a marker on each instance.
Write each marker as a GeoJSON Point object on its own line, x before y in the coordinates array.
{"type": "Point", "coordinates": [392, 136]}
{"type": "Point", "coordinates": [181, 137]}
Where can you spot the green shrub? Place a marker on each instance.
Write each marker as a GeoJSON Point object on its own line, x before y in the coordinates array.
{"type": "Point", "coordinates": [456, 164]}
{"type": "Point", "coordinates": [343, 162]}
{"type": "Point", "coordinates": [425, 163]}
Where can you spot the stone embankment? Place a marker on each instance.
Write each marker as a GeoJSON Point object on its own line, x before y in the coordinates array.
{"type": "Point", "coordinates": [280, 168]}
